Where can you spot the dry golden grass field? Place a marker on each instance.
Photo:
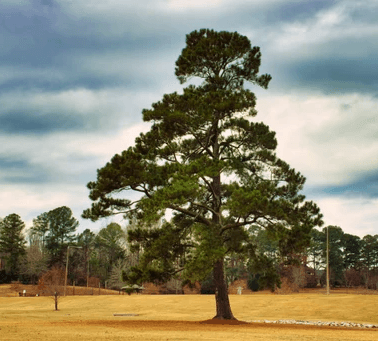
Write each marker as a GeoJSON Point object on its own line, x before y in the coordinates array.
{"type": "Point", "coordinates": [180, 317]}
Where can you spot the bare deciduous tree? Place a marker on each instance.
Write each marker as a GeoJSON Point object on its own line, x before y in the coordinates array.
{"type": "Point", "coordinates": [35, 263]}
{"type": "Point", "coordinates": [51, 283]}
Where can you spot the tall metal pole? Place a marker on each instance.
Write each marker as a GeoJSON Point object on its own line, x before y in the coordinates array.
{"type": "Point", "coordinates": [327, 260]}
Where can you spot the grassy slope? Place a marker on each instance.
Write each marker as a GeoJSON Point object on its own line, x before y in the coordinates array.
{"type": "Point", "coordinates": [355, 308]}
{"type": "Point", "coordinates": [91, 317]}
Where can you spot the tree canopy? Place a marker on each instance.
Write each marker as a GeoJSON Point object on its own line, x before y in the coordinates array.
{"type": "Point", "coordinates": [55, 230]}
{"type": "Point", "coordinates": [12, 241]}
{"type": "Point", "coordinates": [208, 161]}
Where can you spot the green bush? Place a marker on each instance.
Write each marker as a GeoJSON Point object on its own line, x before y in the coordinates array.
{"type": "Point", "coordinates": [253, 282]}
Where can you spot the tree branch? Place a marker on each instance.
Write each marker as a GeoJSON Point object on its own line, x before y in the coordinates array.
{"type": "Point", "coordinates": [236, 225]}
{"type": "Point", "coordinates": [191, 214]}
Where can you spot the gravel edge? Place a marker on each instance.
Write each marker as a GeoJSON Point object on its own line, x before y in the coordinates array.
{"type": "Point", "coordinates": [318, 323]}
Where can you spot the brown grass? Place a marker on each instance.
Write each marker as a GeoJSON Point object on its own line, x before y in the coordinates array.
{"type": "Point", "coordinates": [179, 317]}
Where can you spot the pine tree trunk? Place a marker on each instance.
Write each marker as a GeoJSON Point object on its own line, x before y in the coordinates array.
{"type": "Point", "coordinates": [221, 294]}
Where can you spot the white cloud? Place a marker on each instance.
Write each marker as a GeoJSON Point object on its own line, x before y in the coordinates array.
{"type": "Point", "coordinates": [304, 38]}
{"type": "Point", "coordinates": [29, 201]}
{"type": "Point", "coordinates": [355, 216]}
{"type": "Point", "coordinates": [105, 146]}
{"type": "Point", "coordinates": [67, 154]}
{"type": "Point", "coordinates": [326, 143]}
{"type": "Point", "coordinates": [104, 108]}
{"type": "Point", "coordinates": [25, 198]}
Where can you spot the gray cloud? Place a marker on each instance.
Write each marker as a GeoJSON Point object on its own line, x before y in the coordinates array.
{"type": "Point", "coordinates": [365, 186]}
{"type": "Point", "coordinates": [70, 168]}
{"type": "Point", "coordinates": [289, 11]}
{"type": "Point", "coordinates": [37, 112]}
{"type": "Point", "coordinates": [352, 68]}
{"type": "Point", "coordinates": [28, 178]}
{"type": "Point", "coordinates": [15, 170]}
{"type": "Point", "coordinates": [34, 123]}
{"type": "Point", "coordinates": [12, 164]}
{"type": "Point", "coordinates": [334, 49]}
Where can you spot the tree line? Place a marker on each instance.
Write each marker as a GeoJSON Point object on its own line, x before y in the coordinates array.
{"type": "Point", "coordinates": [27, 255]}
{"type": "Point", "coordinates": [353, 261]}
{"type": "Point", "coordinates": [105, 257]}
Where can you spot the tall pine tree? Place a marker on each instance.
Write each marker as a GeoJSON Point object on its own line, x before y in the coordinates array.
{"type": "Point", "coordinates": [39, 229]}
{"type": "Point", "coordinates": [12, 242]}
{"type": "Point", "coordinates": [207, 160]}
{"type": "Point", "coordinates": [61, 232]}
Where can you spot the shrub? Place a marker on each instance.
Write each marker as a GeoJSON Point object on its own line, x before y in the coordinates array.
{"type": "Point", "coordinates": [253, 282]}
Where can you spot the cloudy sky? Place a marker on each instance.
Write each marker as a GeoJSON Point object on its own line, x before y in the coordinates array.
{"type": "Point", "coordinates": [76, 74]}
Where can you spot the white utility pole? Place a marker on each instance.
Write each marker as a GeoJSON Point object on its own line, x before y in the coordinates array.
{"type": "Point", "coordinates": [327, 260]}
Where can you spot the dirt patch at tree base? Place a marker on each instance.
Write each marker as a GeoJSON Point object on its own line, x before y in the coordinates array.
{"type": "Point", "coordinates": [223, 321]}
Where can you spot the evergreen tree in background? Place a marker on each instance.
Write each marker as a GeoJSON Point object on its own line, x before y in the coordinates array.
{"type": "Point", "coordinates": [352, 251]}
{"type": "Point", "coordinates": [86, 240]}
{"type": "Point", "coordinates": [336, 261]}
{"type": "Point", "coordinates": [40, 228]}
{"type": "Point", "coordinates": [369, 259]}
{"type": "Point", "coordinates": [315, 251]}
{"type": "Point", "coordinates": [62, 226]}
{"type": "Point", "coordinates": [369, 251]}
{"type": "Point", "coordinates": [12, 242]}
{"type": "Point", "coordinates": [208, 161]}
{"type": "Point", "coordinates": [110, 246]}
